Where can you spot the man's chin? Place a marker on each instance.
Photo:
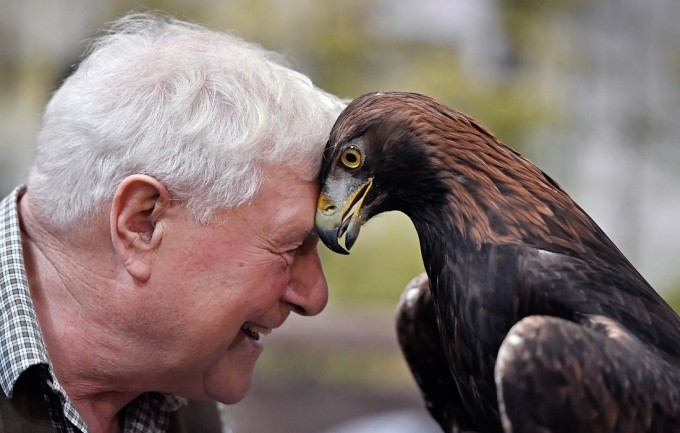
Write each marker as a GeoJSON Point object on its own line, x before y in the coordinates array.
{"type": "Point", "coordinates": [232, 393]}
{"type": "Point", "coordinates": [229, 381]}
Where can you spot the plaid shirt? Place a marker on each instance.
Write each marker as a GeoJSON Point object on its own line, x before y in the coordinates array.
{"type": "Point", "coordinates": [22, 344]}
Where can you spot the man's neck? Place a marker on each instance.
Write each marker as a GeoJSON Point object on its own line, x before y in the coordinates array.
{"type": "Point", "coordinates": [73, 324]}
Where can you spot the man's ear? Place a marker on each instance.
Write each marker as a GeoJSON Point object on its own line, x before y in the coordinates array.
{"type": "Point", "coordinates": [139, 203]}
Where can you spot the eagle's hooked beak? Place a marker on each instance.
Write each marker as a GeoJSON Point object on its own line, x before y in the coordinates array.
{"type": "Point", "coordinates": [333, 220]}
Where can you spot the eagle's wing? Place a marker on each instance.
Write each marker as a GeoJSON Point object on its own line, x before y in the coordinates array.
{"type": "Point", "coordinates": [599, 354]}
{"type": "Point", "coordinates": [554, 375]}
{"type": "Point", "coordinates": [421, 345]}
{"type": "Point", "coordinates": [575, 289]}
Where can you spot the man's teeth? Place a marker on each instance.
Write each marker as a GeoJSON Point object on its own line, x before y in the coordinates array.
{"type": "Point", "coordinates": [253, 330]}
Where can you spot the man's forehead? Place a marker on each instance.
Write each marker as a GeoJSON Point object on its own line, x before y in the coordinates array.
{"type": "Point", "coordinates": [292, 226]}
{"type": "Point", "coordinates": [284, 206]}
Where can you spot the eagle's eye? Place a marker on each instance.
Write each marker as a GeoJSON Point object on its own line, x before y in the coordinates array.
{"type": "Point", "coordinates": [351, 157]}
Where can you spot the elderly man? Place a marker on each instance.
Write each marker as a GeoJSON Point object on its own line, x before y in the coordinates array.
{"type": "Point", "coordinates": [168, 221]}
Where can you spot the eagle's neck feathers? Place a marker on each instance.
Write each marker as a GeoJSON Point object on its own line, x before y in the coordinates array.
{"type": "Point", "coordinates": [490, 194]}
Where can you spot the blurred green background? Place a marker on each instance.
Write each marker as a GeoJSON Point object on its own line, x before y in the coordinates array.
{"type": "Point", "coordinates": [590, 91]}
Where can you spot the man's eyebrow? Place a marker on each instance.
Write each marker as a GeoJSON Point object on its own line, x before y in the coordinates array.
{"type": "Point", "coordinates": [290, 237]}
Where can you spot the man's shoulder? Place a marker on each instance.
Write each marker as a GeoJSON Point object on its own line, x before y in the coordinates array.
{"type": "Point", "coordinates": [27, 410]}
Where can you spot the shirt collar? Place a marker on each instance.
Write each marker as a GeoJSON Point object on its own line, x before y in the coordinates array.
{"type": "Point", "coordinates": [21, 340]}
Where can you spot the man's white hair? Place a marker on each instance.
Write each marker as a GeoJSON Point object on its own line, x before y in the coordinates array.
{"type": "Point", "coordinates": [204, 112]}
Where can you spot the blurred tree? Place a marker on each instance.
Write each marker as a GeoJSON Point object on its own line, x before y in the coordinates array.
{"type": "Point", "coordinates": [520, 91]}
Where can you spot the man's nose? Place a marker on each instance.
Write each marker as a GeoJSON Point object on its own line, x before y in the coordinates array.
{"type": "Point", "coordinates": [307, 289]}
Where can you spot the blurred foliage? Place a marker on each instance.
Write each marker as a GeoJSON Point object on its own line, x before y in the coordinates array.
{"type": "Point", "coordinates": [340, 46]}
{"type": "Point", "coordinates": [529, 24]}
{"type": "Point", "coordinates": [673, 298]}
{"type": "Point", "coordinates": [384, 259]}
{"type": "Point", "coordinates": [327, 367]}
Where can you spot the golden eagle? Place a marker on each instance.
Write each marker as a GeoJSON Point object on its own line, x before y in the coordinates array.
{"type": "Point", "coordinates": [532, 320]}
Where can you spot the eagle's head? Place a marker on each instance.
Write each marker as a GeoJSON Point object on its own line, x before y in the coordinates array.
{"type": "Point", "coordinates": [447, 173]}
{"type": "Point", "coordinates": [375, 162]}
